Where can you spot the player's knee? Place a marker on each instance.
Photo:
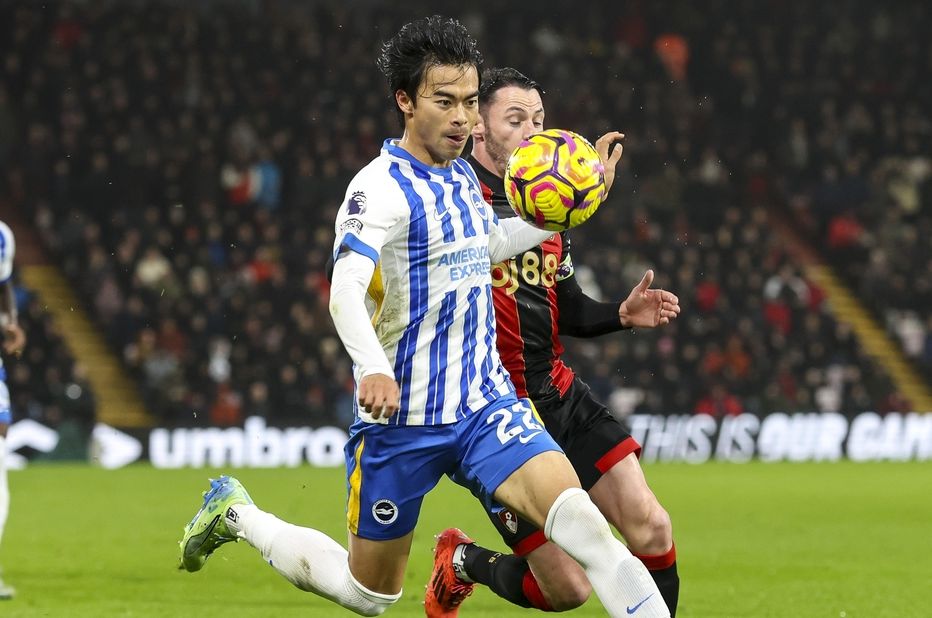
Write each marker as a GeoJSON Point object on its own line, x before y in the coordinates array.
{"type": "Point", "coordinates": [561, 579]}
{"type": "Point", "coordinates": [655, 532]}
{"type": "Point", "coordinates": [661, 528]}
{"type": "Point", "coordinates": [572, 593]}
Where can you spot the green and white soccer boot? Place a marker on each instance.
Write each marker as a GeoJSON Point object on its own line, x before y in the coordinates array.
{"type": "Point", "coordinates": [6, 592]}
{"type": "Point", "coordinates": [208, 530]}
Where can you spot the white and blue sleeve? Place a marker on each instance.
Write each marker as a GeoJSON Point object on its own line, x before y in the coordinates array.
{"type": "Point", "coordinates": [7, 251]}
{"type": "Point", "coordinates": [511, 236]}
{"type": "Point", "coordinates": [351, 276]}
{"type": "Point", "coordinates": [371, 210]}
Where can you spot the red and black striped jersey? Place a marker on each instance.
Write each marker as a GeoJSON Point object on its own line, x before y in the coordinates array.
{"type": "Point", "coordinates": [536, 297]}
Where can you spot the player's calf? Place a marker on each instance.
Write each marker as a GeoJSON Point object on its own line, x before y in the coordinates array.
{"type": "Point", "coordinates": [640, 518]}
{"type": "Point", "coordinates": [623, 495]}
{"type": "Point", "coordinates": [622, 582]}
{"type": "Point", "coordinates": [559, 578]}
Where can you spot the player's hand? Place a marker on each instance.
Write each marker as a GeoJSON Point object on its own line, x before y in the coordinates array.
{"type": "Point", "coordinates": [379, 395]}
{"type": "Point", "coordinates": [647, 308]}
{"type": "Point", "coordinates": [610, 142]}
{"type": "Point", "coordinates": [14, 339]}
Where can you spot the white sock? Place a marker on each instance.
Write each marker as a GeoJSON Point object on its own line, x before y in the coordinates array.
{"type": "Point", "coordinates": [309, 559]}
{"type": "Point", "coordinates": [621, 581]}
{"type": "Point", "coordinates": [4, 488]}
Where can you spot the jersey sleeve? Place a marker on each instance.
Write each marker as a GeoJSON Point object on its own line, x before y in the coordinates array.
{"type": "Point", "coordinates": [7, 252]}
{"type": "Point", "coordinates": [509, 237]}
{"type": "Point", "coordinates": [351, 276]}
{"type": "Point", "coordinates": [581, 316]}
{"type": "Point", "coordinates": [371, 210]}
{"type": "Point", "coordinates": [565, 270]}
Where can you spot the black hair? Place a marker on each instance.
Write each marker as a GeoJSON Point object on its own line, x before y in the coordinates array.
{"type": "Point", "coordinates": [421, 44]}
{"type": "Point", "coordinates": [494, 79]}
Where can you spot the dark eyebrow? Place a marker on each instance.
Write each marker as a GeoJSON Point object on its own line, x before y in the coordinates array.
{"type": "Point", "coordinates": [449, 95]}
{"type": "Point", "coordinates": [517, 108]}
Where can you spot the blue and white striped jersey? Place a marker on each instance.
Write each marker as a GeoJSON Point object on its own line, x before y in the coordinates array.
{"type": "Point", "coordinates": [428, 231]}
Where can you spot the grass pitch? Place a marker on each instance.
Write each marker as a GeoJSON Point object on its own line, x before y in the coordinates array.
{"type": "Point", "coordinates": [837, 540]}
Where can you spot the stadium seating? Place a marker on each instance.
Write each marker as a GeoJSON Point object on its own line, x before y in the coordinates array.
{"type": "Point", "coordinates": [187, 179]}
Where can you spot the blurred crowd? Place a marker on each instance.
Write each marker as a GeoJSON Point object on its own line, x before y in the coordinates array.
{"type": "Point", "coordinates": [45, 383]}
{"type": "Point", "coordinates": [185, 163]}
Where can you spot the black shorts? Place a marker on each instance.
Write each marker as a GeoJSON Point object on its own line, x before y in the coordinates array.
{"type": "Point", "coordinates": [593, 439]}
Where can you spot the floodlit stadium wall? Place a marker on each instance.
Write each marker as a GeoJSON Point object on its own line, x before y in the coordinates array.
{"type": "Point", "coordinates": [797, 437]}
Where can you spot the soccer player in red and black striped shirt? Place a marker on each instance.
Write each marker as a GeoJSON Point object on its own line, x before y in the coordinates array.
{"type": "Point", "coordinates": [537, 299]}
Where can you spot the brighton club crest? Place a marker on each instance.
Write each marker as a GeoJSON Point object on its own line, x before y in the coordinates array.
{"type": "Point", "coordinates": [385, 511]}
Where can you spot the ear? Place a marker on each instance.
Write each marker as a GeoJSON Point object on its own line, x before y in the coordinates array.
{"type": "Point", "coordinates": [405, 104]}
{"type": "Point", "coordinates": [478, 130]}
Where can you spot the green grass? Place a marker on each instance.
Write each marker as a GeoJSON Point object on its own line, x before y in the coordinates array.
{"type": "Point", "coordinates": [834, 540]}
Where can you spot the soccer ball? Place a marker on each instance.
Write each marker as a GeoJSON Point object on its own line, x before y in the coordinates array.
{"type": "Point", "coordinates": [555, 180]}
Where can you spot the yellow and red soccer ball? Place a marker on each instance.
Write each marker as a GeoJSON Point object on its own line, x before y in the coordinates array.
{"type": "Point", "coordinates": [555, 180]}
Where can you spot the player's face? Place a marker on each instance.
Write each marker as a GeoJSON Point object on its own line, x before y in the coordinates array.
{"type": "Point", "coordinates": [511, 115]}
{"type": "Point", "coordinates": [447, 108]}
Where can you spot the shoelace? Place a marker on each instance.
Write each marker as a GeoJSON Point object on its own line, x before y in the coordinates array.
{"type": "Point", "coordinates": [459, 591]}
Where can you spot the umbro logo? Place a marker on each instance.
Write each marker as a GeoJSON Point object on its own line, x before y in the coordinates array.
{"type": "Point", "coordinates": [232, 516]}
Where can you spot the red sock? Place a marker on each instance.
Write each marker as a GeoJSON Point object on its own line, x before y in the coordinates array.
{"type": "Point", "coordinates": [533, 592]}
{"type": "Point", "coordinates": [660, 561]}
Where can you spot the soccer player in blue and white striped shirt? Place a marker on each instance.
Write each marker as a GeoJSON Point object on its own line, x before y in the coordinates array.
{"type": "Point", "coordinates": [13, 342]}
{"type": "Point", "coordinates": [412, 302]}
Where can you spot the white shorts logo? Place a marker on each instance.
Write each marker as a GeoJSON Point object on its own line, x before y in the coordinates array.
{"type": "Point", "coordinates": [385, 512]}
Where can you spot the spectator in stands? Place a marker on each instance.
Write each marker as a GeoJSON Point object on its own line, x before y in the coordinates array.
{"type": "Point", "coordinates": [235, 155]}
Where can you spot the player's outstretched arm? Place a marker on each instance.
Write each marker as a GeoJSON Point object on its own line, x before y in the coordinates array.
{"type": "Point", "coordinates": [581, 315]}
{"type": "Point", "coordinates": [646, 307]}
